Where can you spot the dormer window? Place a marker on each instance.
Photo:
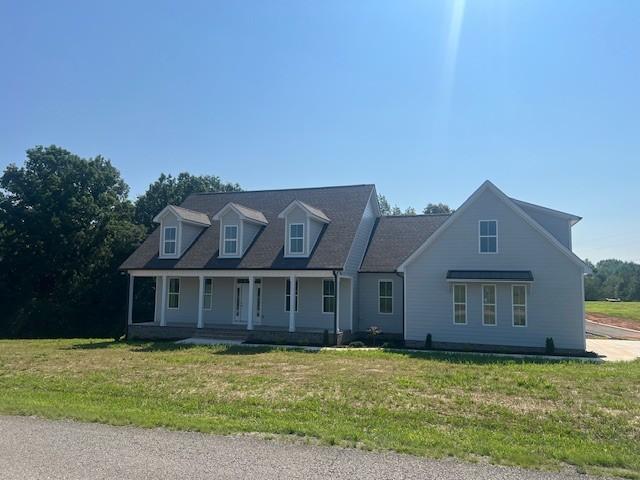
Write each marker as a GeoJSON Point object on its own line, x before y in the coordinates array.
{"type": "Point", "coordinates": [296, 238]}
{"type": "Point", "coordinates": [170, 240]}
{"type": "Point", "coordinates": [230, 239]}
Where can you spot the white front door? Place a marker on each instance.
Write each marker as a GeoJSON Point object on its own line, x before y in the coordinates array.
{"type": "Point", "coordinates": [241, 301]}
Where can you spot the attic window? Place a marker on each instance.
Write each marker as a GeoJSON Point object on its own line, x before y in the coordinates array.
{"type": "Point", "coordinates": [296, 238]}
{"type": "Point", "coordinates": [488, 236]}
{"type": "Point", "coordinates": [230, 239]}
{"type": "Point", "coordinates": [170, 240]}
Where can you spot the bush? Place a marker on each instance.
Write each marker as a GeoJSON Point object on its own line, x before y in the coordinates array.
{"type": "Point", "coordinates": [428, 342]}
{"type": "Point", "coordinates": [549, 346]}
{"type": "Point", "coordinates": [356, 344]}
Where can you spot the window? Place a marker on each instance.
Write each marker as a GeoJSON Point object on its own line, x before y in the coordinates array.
{"type": "Point", "coordinates": [488, 304]}
{"type": "Point", "coordinates": [287, 296]}
{"type": "Point", "coordinates": [207, 302]}
{"type": "Point", "coordinates": [519, 305]}
{"type": "Point", "coordinates": [170, 241]}
{"type": "Point", "coordinates": [328, 296]}
{"type": "Point", "coordinates": [230, 239]}
{"type": "Point", "coordinates": [460, 304]}
{"type": "Point", "coordinates": [488, 236]}
{"type": "Point", "coordinates": [174, 293]}
{"type": "Point", "coordinates": [385, 296]}
{"type": "Point", "coordinates": [296, 238]}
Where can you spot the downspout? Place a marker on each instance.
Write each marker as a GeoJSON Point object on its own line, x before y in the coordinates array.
{"type": "Point", "coordinates": [401, 275]}
{"type": "Point", "coordinates": [126, 314]}
{"type": "Point", "coordinates": [335, 310]}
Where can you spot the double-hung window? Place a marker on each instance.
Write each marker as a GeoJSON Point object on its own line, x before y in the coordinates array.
{"type": "Point", "coordinates": [488, 236]}
{"type": "Point", "coordinates": [287, 297]}
{"type": "Point", "coordinates": [207, 296]}
{"type": "Point", "coordinates": [385, 296]}
{"type": "Point", "coordinates": [174, 293]}
{"type": "Point", "coordinates": [170, 240]}
{"type": "Point", "coordinates": [460, 304]}
{"type": "Point", "coordinates": [296, 238]}
{"type": "Point", "coordinates": [230, 240]}
{"type": "Point", "coordinates": [519, 305]}
{"type": "Point", "coordinates": [328, 296]}
{"type": "Point", "coordinates": [489, 305]}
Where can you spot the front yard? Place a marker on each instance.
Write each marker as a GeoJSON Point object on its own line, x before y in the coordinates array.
{"type": "Point", "coordinates": [543, 415]}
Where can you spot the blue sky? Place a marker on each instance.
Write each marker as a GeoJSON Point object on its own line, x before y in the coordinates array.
{"type": "Point", "coordinates": [426, 99]}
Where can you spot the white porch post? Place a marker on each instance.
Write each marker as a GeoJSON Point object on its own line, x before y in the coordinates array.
{"type": "Point", "coordinates": [200, 300]}
{"type": "Point", "coordinates": [250, 306]}
{"type": "Point", "coordinates": [163, 302]}
{"type": "Point", "coordinates": [292, 303]}
{"type": "Point", "coordinates": [130, 306]}
{"type": "Point", "coordinates": [337, 303]}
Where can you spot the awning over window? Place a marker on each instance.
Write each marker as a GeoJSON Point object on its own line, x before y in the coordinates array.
{"type": "Point", "coordinates": [490, 275]}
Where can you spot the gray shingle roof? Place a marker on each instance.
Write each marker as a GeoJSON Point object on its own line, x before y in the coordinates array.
{"type": "Point", "coordinates": [316, 211]}
{"type": "Point", "coordinates": [344, 205]}
{"type": "Point", "coordinates": [513, 275]}
{"type": "Point", "coordinates": [250, 213]}
{"type": "Point", "coordinates": [395, 238]}
{"type": "Point", "coordinates": [192, 215]}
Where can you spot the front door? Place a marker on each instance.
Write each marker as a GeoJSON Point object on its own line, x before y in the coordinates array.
{"type": "Point", "coordinates": [241, 301]}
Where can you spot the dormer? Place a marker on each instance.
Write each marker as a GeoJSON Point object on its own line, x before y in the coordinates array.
{"type": "Point", "coordinates": [303, 224]}
{"type": "Point", "coordinates": [239, 225]}
{"type": "Point", "coordinates": [179, 227]}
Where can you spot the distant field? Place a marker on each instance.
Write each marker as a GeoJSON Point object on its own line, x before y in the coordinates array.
{"type": "Point", "coordinates": [627, 310]}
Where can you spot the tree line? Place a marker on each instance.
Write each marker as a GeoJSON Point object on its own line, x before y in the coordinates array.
{"type": "Point", "coordinates": [613, 279]}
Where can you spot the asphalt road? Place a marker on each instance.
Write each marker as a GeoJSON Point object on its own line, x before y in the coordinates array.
{"type": "Point", "coordinates": [609, 331]}
{"type": "Point", "coordinates": [32, 448]}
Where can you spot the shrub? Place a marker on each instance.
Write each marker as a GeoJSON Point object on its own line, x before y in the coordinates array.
{"type": "Point", "coordinates": [373, 331]}
{"type": "Point", "coordinates": [428, 342]}
{"type": "Point", "coordinates": [356, 344]}
{"type": "Point", "coordinates": [549, 346]}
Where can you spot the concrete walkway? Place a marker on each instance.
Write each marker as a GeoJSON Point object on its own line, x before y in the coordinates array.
{"type": "Point", "coordinates": [615, 350]}
{"type": "Point", "coordinates": [610, 331]}
{"type": "Point", "coordinates": [33, 448]}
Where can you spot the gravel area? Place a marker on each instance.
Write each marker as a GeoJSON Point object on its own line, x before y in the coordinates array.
{"type": "Point", "coordinates": [33, 448]}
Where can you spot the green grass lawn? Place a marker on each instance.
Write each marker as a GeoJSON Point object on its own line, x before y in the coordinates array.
{"type": "Point", "coordinates": [627, 310]}
{"type": "Point", "coordinates": [533, 414]}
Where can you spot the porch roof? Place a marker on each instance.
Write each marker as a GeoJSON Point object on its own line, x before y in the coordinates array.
{"type": "Point", "coordinates": [490, 275]}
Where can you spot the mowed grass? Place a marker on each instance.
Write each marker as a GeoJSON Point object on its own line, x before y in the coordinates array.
{"type": "Point", "coordinates": [627, 310]}
{"type": "Point", "coordinates": [514, 412]}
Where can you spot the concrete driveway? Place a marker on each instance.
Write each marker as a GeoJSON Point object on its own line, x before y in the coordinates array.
{"type": "Point", "coordinates": [614, 350]}
{"type": "Point", "coordinates": [32, 448]}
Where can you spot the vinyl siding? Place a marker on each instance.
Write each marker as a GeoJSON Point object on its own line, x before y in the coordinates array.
{"type": "Point", "coordinates": [368, 299]}
{"type": "Point", "coordinates": [356, 254]}
{"type": "Point", "coordinates": [189, 234]}
{"type": "Point", "coordinates": [249, 232]}
{"type": "Point", "coordinates": [557, 226]}
{"type": "Point", "coordinates": [555, 299]}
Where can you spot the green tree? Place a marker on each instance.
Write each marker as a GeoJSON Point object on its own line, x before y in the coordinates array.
{"type": "Point", "coordinates": [387, 210]}
{"type": "Point", "coordinates": [433, 208]}
{"type": "Point", "coordinates": [169, 190]}
{"type": "Point", "coordinates": [66, 224]}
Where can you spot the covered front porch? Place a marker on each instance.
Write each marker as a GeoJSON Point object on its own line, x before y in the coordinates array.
{"type": "Point", "coordinates": [245, 304]}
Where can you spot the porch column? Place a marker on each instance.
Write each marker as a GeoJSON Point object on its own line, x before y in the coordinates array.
{"type": "Point", "coordinates": [292, 303]}
{"type": "Point", "coordinates": [130, 306]}
{"type": "Point", "coordinates": [163, 302]}
{"type": "Point", "coordinates": [250, 306]}
{"type": "Point", "coordinates": [337, 303]}
{"type": "Point", "coordinates": [200, 300]}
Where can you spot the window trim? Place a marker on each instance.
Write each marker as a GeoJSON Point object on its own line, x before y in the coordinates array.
{"type": "Point", "coordinates": [385, 280]}
{"type": "Point", "coordinates": [526, 308]}
{"type": "Point", "coordinates": [297, 300]}
{"type": "Point", "coordinates": [454, 303]}
{"type": "Point", "coordinates": [495, 304]}
{"type": "Point", "coordinates": [224, 240]}
{"type": "Point", "coordinates": [487, 236]}
{"type": "Point", "coordinates": [328, 296]}
{"type": "Point", "coordinates": [164, 241]}
{"type": "Point", "coordinates": [205, 294]}
{"type": "Point", "coordinates": [290, 238]}
{"type": "Point", "coordinates": [169, 293]}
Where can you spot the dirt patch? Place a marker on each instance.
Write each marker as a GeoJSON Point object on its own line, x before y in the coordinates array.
{"type": "Point", "coordinates": [614, 321]}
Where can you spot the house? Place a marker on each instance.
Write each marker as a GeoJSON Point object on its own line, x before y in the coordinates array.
{"type": "Point", "coordinates": [301, 265]}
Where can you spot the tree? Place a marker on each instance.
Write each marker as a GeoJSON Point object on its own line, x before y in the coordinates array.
{"type": "Point", "coordinates": [433, 208]}
{"type": "Point", "coordinates": [66, 225]}
{"type": "Point", "coordinates": [613, 279]}
{"type": "Point", "coordinates": [387, 210]}
{"type": "Point", "coordinates": [169, 190]}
